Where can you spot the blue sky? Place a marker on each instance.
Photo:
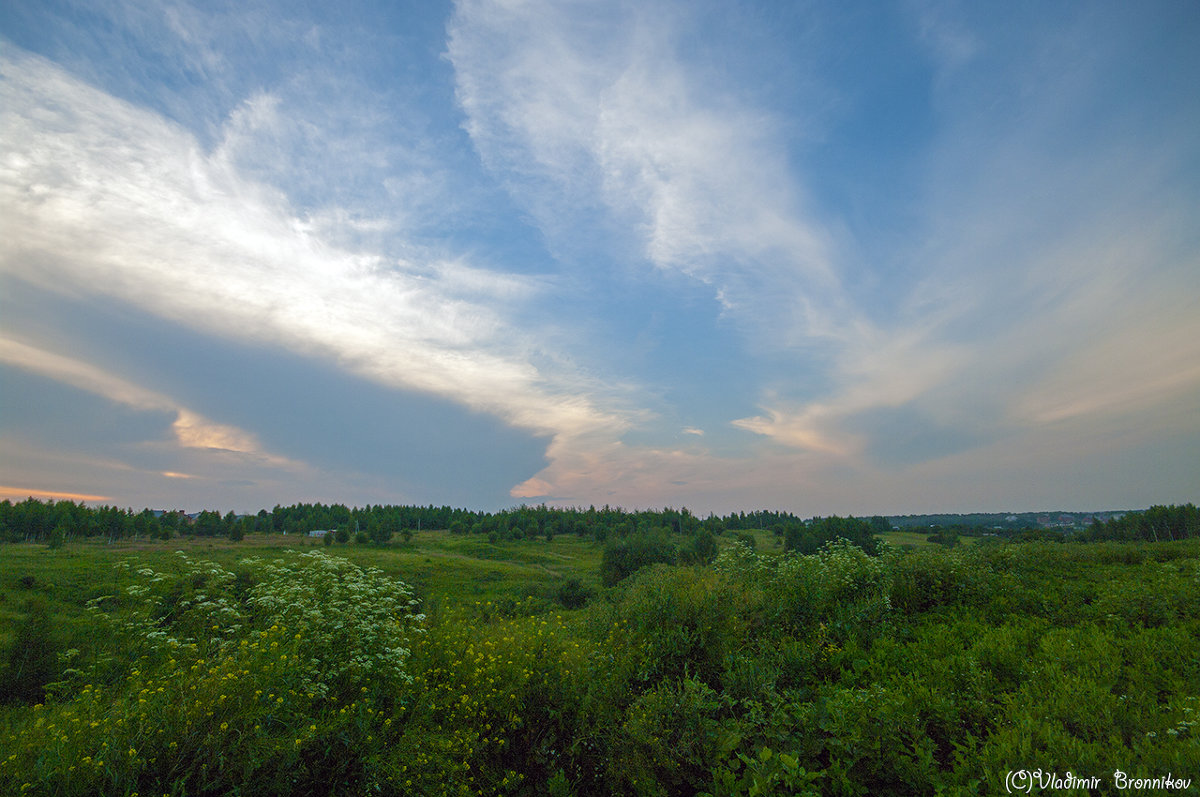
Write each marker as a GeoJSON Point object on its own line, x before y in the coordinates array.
{"type": "Point", "coordinates": [824, 257]}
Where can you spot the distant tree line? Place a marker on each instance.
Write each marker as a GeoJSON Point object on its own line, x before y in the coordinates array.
{"type": "Point", "coordinates": [1156, 524]}
{"type": "Point", "coordinates": [55, 522]}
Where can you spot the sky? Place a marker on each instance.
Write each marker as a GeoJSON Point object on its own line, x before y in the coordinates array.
{"type": "Point", "coordinates": [822, 257]}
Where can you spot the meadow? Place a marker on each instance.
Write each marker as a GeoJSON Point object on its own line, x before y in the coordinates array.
{"type": "Point", "coordinates": [451, 664]}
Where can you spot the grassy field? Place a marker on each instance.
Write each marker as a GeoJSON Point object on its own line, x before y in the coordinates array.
{"type": "Point", "coordinates": [439, 565]}
{"type": "Point", "coordinates": [926, 670]}
{"type": "Point", "coordinates": [917, 539]}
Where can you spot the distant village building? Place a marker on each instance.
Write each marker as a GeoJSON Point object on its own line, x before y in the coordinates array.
{"type": "Point", "coordinates": [320, 532]}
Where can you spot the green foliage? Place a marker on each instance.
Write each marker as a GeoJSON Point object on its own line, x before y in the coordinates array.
{"type": "Point", "coordinates": [668, 736]}
{"type": "Point", "coordinates": [767, 773]}
{"type": "Point", "coordinates": [926, 672]}
{"type": "Point", "coordinates": [1157, 524]}
{"type": "Point", "coordinates": [573, 594]}
{"type": "Point", "coordinates": [259, 677]}
{"type": "Point", "coordinates": [625, 556]}
{"type": "Point", "coordinates": [702, 550]}
{"type": "Point", "coordinates": [32, 660]}
{"type": "Point", "coordinates": [811, 537]}
{"type": "Point", "coordinates": [57, 537]}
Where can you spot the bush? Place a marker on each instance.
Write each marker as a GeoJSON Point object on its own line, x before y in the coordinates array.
{"type": "Point", "coordinates": [625, 556]}
{"type": "Point", "coordinates": [32, 662]}
{"type": "Point", "coordinates": [276, 679]}
{"type": "Point", "coordinates": [573, 595]}
{"type": "Point", "coordinates": [669, 736]}
{"type": "Point", "coordinates": [702, 550]}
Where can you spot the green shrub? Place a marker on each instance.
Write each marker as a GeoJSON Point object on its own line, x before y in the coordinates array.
{"type": "Point", "coordinates": [766, 773]}
{"type": "Point", "coordinates": [32, 661]}
{"type": "Point", "coordinates": [924, 579]}
{"type": "Point", "coordinates": [215, 680]}
{"type": "Point", "coordinates": [572, 594]}
{"type": "Point", "coordinates": [702, 550]}
{"type": "Point", "coordinates": [626, 555]}
{"type": "Point", "coordinates": [666, 741]}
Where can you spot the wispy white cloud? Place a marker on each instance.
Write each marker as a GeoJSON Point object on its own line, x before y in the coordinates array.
{"type": "Point", "coordinates": [1052, 281]}
{"type": "Point", "coordinates": [103, 197]}
{"type": "Point", "coordinates": [596, 110]}
{"type": "Point", "coordinates": [1016, 280]}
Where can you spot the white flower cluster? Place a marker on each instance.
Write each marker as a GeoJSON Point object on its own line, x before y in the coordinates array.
{"type": "Point", "coordinates": [180, 608]}
{"type": "Point", "coordinates": [848, 573]}
{"type": "Point", "coordinates": [343, 623]}
{"type": "Point", "coordinates": [739, 559]}
{"type": "Point", "coordinates": [349, 622]}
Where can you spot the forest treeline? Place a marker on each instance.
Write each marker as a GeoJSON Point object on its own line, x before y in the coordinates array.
{"type": "Point", "coordinates": [39, 521]}
{"type": "Point", "coordinates": [54, 522]}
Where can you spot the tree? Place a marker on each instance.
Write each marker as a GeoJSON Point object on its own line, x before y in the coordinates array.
{"type": "Point", "coordinates": [380, 529]}
{"type": "Point", "coordinates": [809, 538]}
{"type": "Point", "coordinates": [208, 524]}
{"type": "Point", "coordinates": [57, 536]}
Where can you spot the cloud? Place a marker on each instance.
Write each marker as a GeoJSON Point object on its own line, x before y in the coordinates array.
{"type": "Point", "coordinates": [190, 429]}
{"type": "Point", "coordinates": [106, 198]}
{"type": "Point", "coordinates": [21, 493]}
{"type": "Point", "coordinates": [669, 258]}
{"type": "Point", "coordinates": [1030, 266]}
{"type": "Point", "coordinates": [1054, 283]}
{"type": "Point", "coordinates": [579, 111]}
